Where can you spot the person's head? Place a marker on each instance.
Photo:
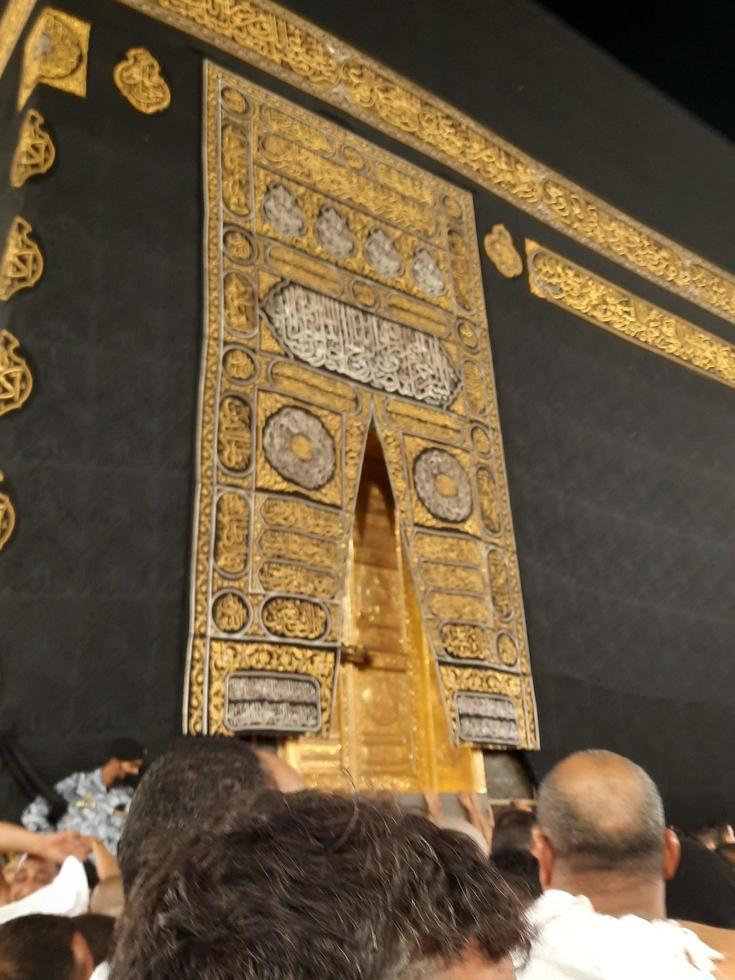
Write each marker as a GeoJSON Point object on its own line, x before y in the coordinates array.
{"type": "Point", "coordinates": [520, 869]}
{"type": "Point", "coordinates": [702, 888]}
{"type": "Point", "coordinates": [124, 762]}
{"type": "Point", "coordinates": [727, 853]}
{"type": "Point", "coordinates": [108, 898]}
{"type": "Point", "coordinates": [43, 947]}
{"type": "Point", "coordinates": [97, 931]}
{"type": "Point", "coordinates": [462, 826]}
{"type": "Point", "coordinates": [516, 830]}
{"type": "Point", "coordinates": [602, 821]}
{"type": "Point", "coordinates": [31, 874]}
{"type": "Point", "coordinates": [322, 886]}
{"type": "Point", "coordinates": [197, 785]}
{"type": "Point", "coordinates": [711, 835]}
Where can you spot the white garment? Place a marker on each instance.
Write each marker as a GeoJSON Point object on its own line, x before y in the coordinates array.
{"type": "Point", "coordinates": [68, 894]}
{"type": "Point", "coordinates": [576, 943]}
{"type": "Point", "coordinates": [102, 972]}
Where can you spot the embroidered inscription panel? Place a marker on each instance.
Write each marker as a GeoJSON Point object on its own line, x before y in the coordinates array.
{"type": "Point", "coordinates": [343, 292]}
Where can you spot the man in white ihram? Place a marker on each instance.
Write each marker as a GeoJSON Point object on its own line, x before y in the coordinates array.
{"type": "Point", "coordinates": [605, 855]}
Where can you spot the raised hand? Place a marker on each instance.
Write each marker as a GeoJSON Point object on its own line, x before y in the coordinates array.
{"type": "Point", "coordinates": [61, 845]}
{"type": "Point", "coordinates": [480, 817]}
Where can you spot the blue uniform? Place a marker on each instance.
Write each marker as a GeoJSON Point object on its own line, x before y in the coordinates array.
{"type": "Point", "coordinates": [94, 809]}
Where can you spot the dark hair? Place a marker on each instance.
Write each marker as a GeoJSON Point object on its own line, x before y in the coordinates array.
{"type": "Point", "coordinates": [520, 869]}
{"type": "Point", "coordinates": [727, 853]}
{"type": "Point", "coordinates": [313, 886]}
{"type": "Point", "coordinates": [37, 947]}
{"type": "Point", "coordinates": [193, 786]}
{"type": "Point", "coordinates": [126, 749]}
{"type": "Point", "coordinates": [514, 831]}
{"type": "Point", "coordinates": [702, 890]}
{"type": "Point", "coordinates": [97, 930]}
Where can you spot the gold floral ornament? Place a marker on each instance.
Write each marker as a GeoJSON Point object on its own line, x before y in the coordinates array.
{"type": "Point", "coordinates": [7, 516]}
{"type": "Point", "coordinates": [502, 252]}
{"type": "Point", "coordinates": [16, 380]}
{"type": "Point", "coordinates": [22, 262]}
{"type": "Point", "coordinates": [35, 152]}
{"type": "Point", "coordinates": [55, 54]}
{"type": "Point", "coordinates": [140, 80]}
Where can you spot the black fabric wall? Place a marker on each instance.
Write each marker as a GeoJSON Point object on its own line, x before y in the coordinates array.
{"type": "Point", "coordinates": [621, 465]}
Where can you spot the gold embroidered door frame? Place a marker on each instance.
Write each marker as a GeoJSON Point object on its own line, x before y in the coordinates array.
{"type": "Point", "coordinates": [343, 292]}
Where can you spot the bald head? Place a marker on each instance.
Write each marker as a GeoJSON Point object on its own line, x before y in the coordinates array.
{"type": "Point", "coordinates": [601, 812]}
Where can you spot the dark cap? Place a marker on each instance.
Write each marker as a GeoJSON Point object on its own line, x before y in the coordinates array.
{"type": "Point", "coordinates": [126, 749]}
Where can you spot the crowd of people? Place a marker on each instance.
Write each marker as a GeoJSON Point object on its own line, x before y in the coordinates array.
{"type": "Point", "coordinates": [221, 865]}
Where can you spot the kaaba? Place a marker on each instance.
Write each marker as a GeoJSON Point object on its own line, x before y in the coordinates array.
{"type": "Point", "coordinates": [366, 387]}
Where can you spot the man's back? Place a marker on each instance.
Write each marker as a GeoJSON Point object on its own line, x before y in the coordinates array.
{"type": "Point", "coordinates": [576, 943]}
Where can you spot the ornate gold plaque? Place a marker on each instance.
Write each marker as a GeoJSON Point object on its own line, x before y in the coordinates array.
{"type": "Point", "coordinates": [556, 279]}
{"type": "Point", "coordinates": [55, 54]}
{"type": "Point", "coordinates": [343, 294]}
{"type": "Point", "coordinates": [502, 252]}
{"type": "Point", "coordinates": [21, 265]}
{"type": "Point", "coordinates": [35, 152]}
{"type": "Point", "coordinates": [276, 40]}
{"type": "Point", "coordinates": [140, 80]}
{"type": "Point", "coordinates": [16, 380]}
{"type": "Point", "coordinates": [7, 516]}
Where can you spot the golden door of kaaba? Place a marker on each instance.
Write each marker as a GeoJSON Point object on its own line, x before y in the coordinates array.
{"type": "Point", "coordinates": [355, 581]}
{"type": "Point", "coordinates": [387, 668]}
